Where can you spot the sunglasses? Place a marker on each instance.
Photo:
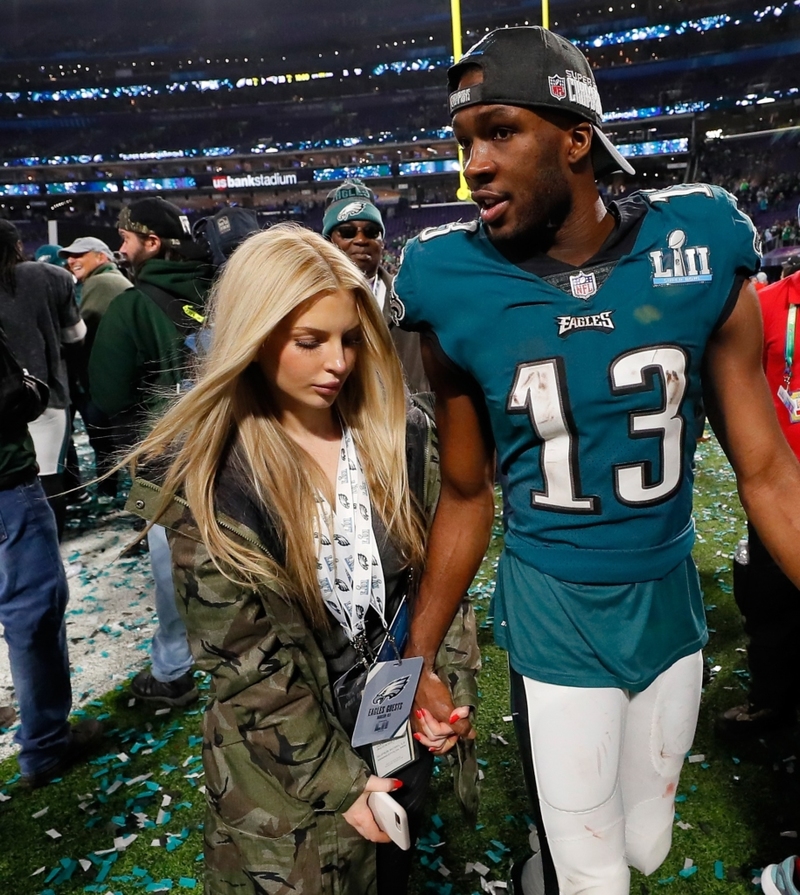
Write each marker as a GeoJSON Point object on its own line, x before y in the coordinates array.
{"type": "Point", "coordinates": [349, 231]}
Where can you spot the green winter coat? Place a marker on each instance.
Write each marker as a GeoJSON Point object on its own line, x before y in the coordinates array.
{"type": "Point", "coordinates": [280, 770]}
{"type": "Point", "coordinates": [138, 353]}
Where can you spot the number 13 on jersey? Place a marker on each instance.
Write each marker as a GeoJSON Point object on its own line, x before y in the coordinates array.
{"type": "Point", "coordinates": [540, 390]}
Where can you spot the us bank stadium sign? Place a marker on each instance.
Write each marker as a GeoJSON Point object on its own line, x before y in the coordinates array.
{"type": "Point", "coordinates": [223, 182]}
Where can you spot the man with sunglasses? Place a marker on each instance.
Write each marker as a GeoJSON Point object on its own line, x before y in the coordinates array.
{"type": "Point", "coordinates": [353, 223]}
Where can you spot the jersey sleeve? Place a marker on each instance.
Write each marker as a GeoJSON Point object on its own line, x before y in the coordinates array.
{"type": "Point", "coordinates": [745, 242]}
{"type": "Point", "coordinates": [405, 303]}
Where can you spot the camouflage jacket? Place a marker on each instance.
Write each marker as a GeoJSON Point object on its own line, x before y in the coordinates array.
{"type": "Point", "coordinates": [280, 770]}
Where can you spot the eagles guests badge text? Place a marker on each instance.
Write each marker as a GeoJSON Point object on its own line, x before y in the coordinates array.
{"type": "Point", "coordinates": [387, 700]}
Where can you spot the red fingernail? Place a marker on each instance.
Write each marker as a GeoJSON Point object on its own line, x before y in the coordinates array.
{"type": "Point", "coordinates": [417, 736]}
{"type": "Point", "coordinates": [431, 749]}
{"type": "Point", "coordinates": [454, 717]}
{"type": "Point", "coordinates": [397, 784]}
{"type": "Point", "coordinates": [420, 714]}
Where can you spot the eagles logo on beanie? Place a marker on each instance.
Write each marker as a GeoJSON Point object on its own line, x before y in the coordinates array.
{"type": "Point", "coordinates": [352, 201]}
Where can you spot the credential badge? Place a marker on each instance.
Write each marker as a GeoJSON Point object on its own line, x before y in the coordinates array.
{"type": "Point", "coordinates": [583, 285]}
{"type": "Point", "coordinates": [558, 86]}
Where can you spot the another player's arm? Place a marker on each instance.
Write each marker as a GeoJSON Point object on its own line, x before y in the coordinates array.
{"type": "Point", "coordinates": [459, 536]}
{"type": "Point", "coordinates": [742, 413]}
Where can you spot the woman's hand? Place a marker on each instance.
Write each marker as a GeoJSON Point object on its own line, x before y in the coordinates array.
{"type": "Point", "coordinates": [437, 736]}
{"type": "Point", "coordinates": [359, 816]}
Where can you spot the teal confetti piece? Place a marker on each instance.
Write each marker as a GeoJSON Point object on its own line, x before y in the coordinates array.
{"type": "Point", "coordinates": [719, 870]}
{"type": "Point", "coordinates": [187, 882]}
{"type": "Point", "coordinates": [688, 871]}
{"type": "Point", "coordinates": [437, 821]}
{"type": "Point", "coordinates": [666, 881]}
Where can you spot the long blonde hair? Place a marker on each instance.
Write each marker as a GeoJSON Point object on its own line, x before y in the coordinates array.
{"type": "Point", "coordinates": [267, 277]}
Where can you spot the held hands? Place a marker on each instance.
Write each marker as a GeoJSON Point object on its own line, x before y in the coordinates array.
{"type": "Point", "coordinates": [437, 724]}
{"type": "Point", "coordinates": [359, 816]}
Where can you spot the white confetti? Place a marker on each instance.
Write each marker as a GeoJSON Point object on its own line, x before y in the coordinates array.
{"type": "Point", "coordinates": [40, 813]}
{"type": "Point", "coordinates": [122, 842]}
{"type": "Point", "coordinates": [54, 834]}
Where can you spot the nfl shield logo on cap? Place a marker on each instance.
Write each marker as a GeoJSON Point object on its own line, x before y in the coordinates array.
{"type": "Point", "coordinates": [583, 285]}
{"type": "Point", "coordinates": [558, 86]}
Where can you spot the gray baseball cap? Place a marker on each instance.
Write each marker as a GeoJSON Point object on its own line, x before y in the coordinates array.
{"type": "Point", "coordinates": [531, 66]}
{"type": "Point", "coordinates": [86, 244]}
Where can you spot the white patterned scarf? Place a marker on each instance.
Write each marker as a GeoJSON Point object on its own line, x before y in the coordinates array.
{"type": "Point", "coordinates": [348, 563]}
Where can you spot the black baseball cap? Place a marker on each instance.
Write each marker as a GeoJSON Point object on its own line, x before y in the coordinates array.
{"type": "Point", "coordinates": [531, 66]}
{"type": "Point", "coordinates": [159, 217]}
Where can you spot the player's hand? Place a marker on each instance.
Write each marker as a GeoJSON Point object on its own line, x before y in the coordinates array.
{"type": "Point", "coordinates": [359, 816]}
{"type": "Point", "coordinates": [436, 722]}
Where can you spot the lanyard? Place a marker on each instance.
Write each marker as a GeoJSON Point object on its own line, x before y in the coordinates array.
{"type": "Point", "coordinates": [350, 572]}
{"type": "Point", "coordinates": [788, 353]}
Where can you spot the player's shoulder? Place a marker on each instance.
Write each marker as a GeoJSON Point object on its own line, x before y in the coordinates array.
{"type": "Point", "coordinates": [445, 238]}
{"type": "Point", "coordinates": [691, 199]}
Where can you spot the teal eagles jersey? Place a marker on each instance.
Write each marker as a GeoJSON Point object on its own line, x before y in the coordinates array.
{"type": "Point", "coordinates": [591, 376]}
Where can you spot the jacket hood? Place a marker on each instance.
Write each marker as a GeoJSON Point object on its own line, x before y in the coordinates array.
{"type": "Point", "coordinates": [187, 280]}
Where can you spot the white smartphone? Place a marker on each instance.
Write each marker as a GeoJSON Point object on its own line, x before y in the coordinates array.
{"type": "Point", "coordinates": [391, 817]}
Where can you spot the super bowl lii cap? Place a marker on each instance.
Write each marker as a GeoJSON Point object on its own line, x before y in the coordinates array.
{"type": "Point", "coordinates": [531, 66]}
{"type": "Point", "coordinates": [156, 215]}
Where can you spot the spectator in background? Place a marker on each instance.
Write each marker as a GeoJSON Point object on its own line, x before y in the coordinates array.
{"type": "Point", "coordinates": [33, 599]}
{"type": "Point", "coordinates": [767, 599]}
{"type": "Point", "coordinates": [92, 264]}
{"type": "Point", "coordinates": [137, 357]}
{"type": "Point", "coordinates": [354, 224]}
{"type": "Point", "coordinates": [48, 254]}
{"type": "Point", "coordinates": [40, 316]}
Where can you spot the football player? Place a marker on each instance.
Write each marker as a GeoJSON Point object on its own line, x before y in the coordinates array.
{"type": "Point", "coordinates": [579, 344]}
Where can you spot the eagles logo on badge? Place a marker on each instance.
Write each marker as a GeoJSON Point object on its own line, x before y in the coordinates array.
{"type": "Point", "coordinates": [558, 86]}
{"type": "Point", "coordinates": [583, 285]}
{"type": "Point", "coordinates": [391, 690]}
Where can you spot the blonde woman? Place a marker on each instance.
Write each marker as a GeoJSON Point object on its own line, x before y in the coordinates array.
{"type": "Point", "coordinates": [295, 433]}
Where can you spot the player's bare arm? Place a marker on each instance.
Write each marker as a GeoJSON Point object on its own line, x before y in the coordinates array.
{"type": "Point", "coordinates": [459, 537]}
{"type": "Point", "coordinates": [741, 411]}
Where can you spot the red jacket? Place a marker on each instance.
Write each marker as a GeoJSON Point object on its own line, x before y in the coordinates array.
{"type": "Point", "coordinates": [775, 300]}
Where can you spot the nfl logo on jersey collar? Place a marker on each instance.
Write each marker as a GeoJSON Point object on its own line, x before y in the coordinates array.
{"type": "Point", "coordinates": [583, 285]}
{"type": "Point", "coordinates": [680, 264]}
